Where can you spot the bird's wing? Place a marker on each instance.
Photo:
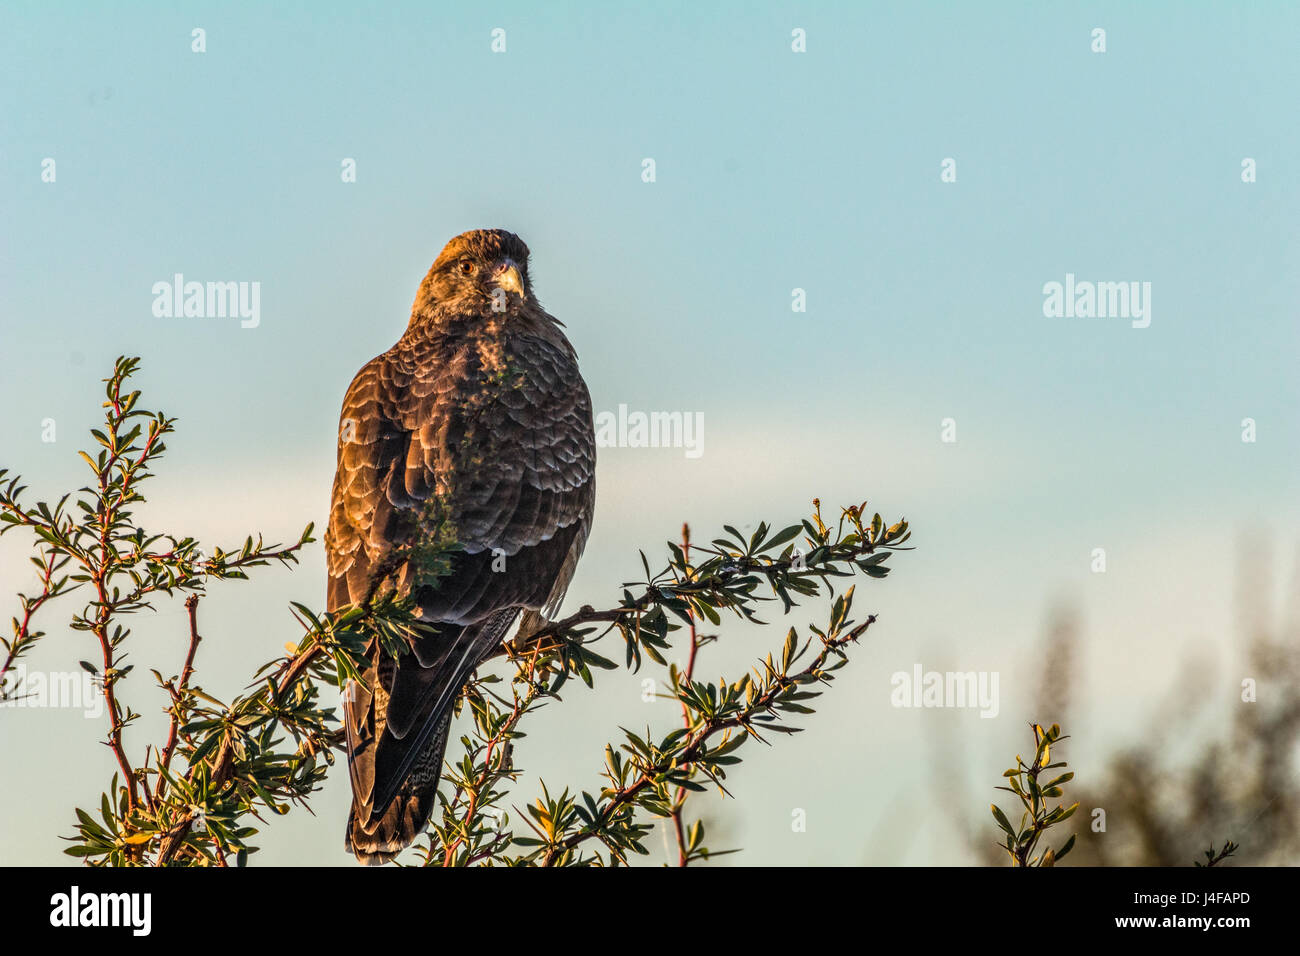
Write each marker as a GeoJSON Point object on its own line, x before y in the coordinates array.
{"type": "Point", "coordinates": [371, 441]}
{"type": "Point", "coordinates": [503, 447]}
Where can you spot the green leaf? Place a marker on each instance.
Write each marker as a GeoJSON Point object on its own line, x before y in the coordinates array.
{"type": "Point", "coordinates": [781, 537]}
{"type": "Point", "coordinates": [1065, 848]}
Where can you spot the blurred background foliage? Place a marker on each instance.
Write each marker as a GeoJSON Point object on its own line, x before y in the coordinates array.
{"type": "Point", "coordinates": [1204, 767]}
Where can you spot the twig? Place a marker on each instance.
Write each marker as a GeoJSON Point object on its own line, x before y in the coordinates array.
{"type": "Point", "coordinates": [178, 693]}
{"type": "Point", "coordinates": [488, 776]}
{"type": "Point", "coordinates": [699, 738]}
{"type": "Point", "coordinates": [679, 800]}
{"type": "Point", "coordinates": [23, 635]}
{"type": "Point", "coordinates": [738, 568]}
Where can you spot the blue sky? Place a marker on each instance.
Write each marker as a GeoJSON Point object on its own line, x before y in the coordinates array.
{"type": "Point", "coordinates": [774, 171]}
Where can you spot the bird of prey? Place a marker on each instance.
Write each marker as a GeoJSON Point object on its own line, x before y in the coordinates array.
{"type": "Point", "coordinates": [476, 426]}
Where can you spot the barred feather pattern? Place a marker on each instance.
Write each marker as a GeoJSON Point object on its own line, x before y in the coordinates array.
{"type": "Point", "coordinates": [476, 423]}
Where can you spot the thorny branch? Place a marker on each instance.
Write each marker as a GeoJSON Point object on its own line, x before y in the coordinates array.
{"type": "Point", "coordinates": [270, 747]}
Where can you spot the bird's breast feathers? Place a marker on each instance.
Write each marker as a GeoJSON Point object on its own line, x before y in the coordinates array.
{"type": "Point", "coordinates": [486, 427]}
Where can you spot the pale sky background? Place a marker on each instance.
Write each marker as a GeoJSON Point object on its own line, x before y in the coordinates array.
{"type": "Point", "coordinates": [775, 170]}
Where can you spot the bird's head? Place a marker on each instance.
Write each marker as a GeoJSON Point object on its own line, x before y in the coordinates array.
{"type": "Point", "coordinates": [478, 272]}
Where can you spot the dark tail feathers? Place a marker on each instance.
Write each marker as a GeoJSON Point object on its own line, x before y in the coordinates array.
{"type": "Point", "coordinates": [377, 840]}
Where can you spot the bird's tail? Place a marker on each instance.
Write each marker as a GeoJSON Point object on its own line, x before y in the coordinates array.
{"type": "Point", "coordinates": [376, 840]}
{"type": "Point", "coordinates": [397, 727]}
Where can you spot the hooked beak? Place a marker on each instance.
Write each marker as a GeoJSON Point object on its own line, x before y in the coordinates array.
{"type": "Point", "coordinates": [508, 278]}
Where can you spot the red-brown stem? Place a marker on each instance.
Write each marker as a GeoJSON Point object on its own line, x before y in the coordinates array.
{"type": "Point", "coordinates": [679, 799]}
{"type": "Point", "coordinates": [483, 779]}
{"type": "Point", "coordinates": [694, 644]}
{"type": "Point", "coordinates": [178, 692]}
{"type": "Point", "coordinates": [99, 576]}
{"type": "Point", "coordinates": [110, 699]}
{"type": "Point", "coordinates": [471, 805]}
{"type": "Point", "coordinates": [33, 606]}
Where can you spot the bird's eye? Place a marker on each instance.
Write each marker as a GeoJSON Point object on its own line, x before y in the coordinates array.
{"type": "Point", "coordinates": [466, 267]}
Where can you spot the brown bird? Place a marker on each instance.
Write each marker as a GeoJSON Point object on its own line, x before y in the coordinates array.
{"type": "Point", "coordinates": [476, 427]}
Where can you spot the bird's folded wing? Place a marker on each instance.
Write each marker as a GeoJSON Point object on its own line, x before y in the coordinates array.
{"type": "Point", "coordinates": [507, 461]}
